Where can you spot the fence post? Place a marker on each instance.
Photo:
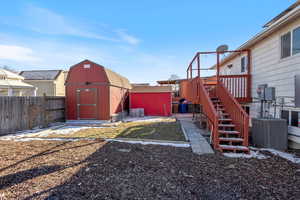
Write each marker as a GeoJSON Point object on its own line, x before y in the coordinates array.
{"type": "Point", "coordinates": [44, 108]}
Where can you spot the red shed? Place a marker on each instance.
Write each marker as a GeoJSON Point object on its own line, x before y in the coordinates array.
{"type": "Point", "coordinates": [94, 92]}
{"type": "Point", "coordinates": [156, 100]}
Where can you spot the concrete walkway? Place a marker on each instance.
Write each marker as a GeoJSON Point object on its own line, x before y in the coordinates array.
{"type": "Point", "coordinates": [198, 143]}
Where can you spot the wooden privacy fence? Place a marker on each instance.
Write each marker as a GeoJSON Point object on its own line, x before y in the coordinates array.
{"type": "Point", "coordinates": [23, 113]}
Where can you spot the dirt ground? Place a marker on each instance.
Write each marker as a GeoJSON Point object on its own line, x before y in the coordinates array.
{"type": "Point", "coordinates": [56, 170]}
{"type": "Point", "coordinates": [165, 129]}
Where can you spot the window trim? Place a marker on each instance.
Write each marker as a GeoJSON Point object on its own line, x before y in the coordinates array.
{"type": "Point", "coordinates": [246, 64]}
{"type": "Point", "coordinates": [291, 41]}
{"type": "Point", "coordinates": [291, 31]}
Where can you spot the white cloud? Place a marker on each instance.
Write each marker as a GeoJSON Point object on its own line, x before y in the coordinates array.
{"type": "Point", "coordinates": [127, 38]}
{"type": "Point", "coordinates": [16, 53]}
{"type": "Point", "coordinates": [48, 22]}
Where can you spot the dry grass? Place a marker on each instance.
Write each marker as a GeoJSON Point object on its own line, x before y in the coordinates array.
{"type": "Point", "coordinates": [165, 129]}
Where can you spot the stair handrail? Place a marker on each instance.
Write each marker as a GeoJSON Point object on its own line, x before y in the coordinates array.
{"type": "Point", "coordinates": [208, 109]}
{"type": "Point", "coordinates": [238, 115]}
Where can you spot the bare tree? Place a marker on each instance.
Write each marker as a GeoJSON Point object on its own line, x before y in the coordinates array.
{"type": "Point", "coordinates": [9, 68]}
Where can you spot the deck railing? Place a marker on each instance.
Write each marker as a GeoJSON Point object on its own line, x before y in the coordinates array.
{"type": "Point", "coordinates": [238, 85]}
{"type": "Point", "coordinates": [239, 117]}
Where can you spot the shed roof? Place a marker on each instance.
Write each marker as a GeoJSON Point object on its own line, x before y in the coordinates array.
{"type": "Point", "coordinates": [116, 79]}
{"type": "Point", "coordinates": [151, 89]}
{"type": "Point", "coordinates": [41, 74]}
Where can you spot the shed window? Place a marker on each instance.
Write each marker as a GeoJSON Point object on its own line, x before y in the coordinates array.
{"type": "Point", "coordinates": [296, 41]}
{"type": "Point", "coordinates": [86, 66]}
{"type": "Point", "coordinates": [243, 64]}
{"type": "Point", "coordinates": [286, 45]}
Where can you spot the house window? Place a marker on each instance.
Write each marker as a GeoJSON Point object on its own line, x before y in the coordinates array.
{"type": "Point", "coordinates": [292, 117]}
{"type": "Point", "coordinates": [230, 66]}
{"type": "Point", "coordinates": [296, 41]}
{"type": "Point", "coordinates": [286, 45]}
{"type": "Point", "coordinates": [243, 64]}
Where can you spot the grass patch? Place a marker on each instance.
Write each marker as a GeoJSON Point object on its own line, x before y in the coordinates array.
{"type": "Point", "coordinates": [164, 129]}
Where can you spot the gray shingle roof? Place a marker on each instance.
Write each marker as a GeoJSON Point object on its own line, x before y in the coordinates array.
{"type": "Point", "coordinates": [40, 74]}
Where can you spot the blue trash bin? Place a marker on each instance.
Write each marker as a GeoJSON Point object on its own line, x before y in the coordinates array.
{"type": "Point", "coordinates": [184, 108]}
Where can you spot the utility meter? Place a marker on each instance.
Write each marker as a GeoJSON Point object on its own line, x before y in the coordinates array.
{"type": "Point", "coordinates": [261, 91]}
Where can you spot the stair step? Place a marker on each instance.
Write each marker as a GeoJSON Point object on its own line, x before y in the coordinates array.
{"type": "Point", "coordinates": [233, 147]}
{"type": "Point", "coordinates": [229, 132]}
{"type": "Point", "coordinates": [225, 114]}
{"type": "Point", "coordinates": [225, 119]}
{"type": "Point", "coordinates": [230, 139]}
{"type": "Point", "coordinates": [218, 105]}
{"type": "Point", "coordinates": [226, 125]}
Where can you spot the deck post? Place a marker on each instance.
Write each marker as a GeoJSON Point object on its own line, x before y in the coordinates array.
{"type": "Point", "coordinates": [218, 68]}
{"type": "Point", "coordinates": [249, 82]}
{"type": "Point", "coordinates": [198, 64]}
{"type": "Point", "coordinates": [191, 71]}
{"type": "Point", "coordinates": [187, 73]}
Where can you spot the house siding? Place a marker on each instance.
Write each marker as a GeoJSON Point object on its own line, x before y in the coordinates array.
{"type": "Point", "coordinates": [60, 85]}
{"type": "Point", "coordinates": [44, 87]}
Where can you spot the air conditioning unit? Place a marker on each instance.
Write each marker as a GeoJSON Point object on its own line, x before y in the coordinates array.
{"type": "Point", "coordinates": [270, 133]}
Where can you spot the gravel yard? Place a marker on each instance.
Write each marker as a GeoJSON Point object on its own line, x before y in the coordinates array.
{"type": "Point", "coordinates": [99, 170]}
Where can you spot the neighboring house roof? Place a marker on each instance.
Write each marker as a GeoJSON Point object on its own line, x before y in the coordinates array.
{"type": "Point", "coordinates": [7, 83]}
{"type": "Point", "coordinates": [140, 84]}
{"type": "Point", "coordinates": [170, 81]}
{"type": "Point", "coordinates": [11, 80]}
{"type": "Point", "coordinates": [287, 16]}
{"type": "Point", "coordinates": [41, 74]}
{"type": "Point", "coordinates": [10, 75]}
{"type": "Point", "coordinates": [151, 89]}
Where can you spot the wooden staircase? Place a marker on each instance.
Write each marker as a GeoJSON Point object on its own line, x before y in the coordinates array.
{"type": "Point", "coordinates": [229, 138]}
{"type": "Point", "coordinates": [219, 100]}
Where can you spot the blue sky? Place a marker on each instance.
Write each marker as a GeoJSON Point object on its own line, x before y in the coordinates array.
{"type": "Point", "coordinates": [142, 40]}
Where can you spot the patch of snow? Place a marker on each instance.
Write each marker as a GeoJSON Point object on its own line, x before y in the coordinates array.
{"type": "Point", "coordinates": [284, 155]}
{"type": "Point", "coordinates": [185, 145]}
{"type": "Point", "coordinates": [47, 139]}
{"type": "Point", "coordinates": [281, 154]}
{"type": "Point", "coordinates": [65, 130]}
{"type": "Point", "coordinates": [145, 119]}
{"type": "Point", "coordinates": [61, 129]}
{"type": "Point", "coordinates": [87, 121]}
{"type": "Point", "coordinates": [253, 154]}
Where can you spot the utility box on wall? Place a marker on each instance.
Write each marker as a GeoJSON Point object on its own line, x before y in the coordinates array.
{"type": "Point", "coordinates": [270, 133]}
{"type": "Point", "coordinates": [270, 94]}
